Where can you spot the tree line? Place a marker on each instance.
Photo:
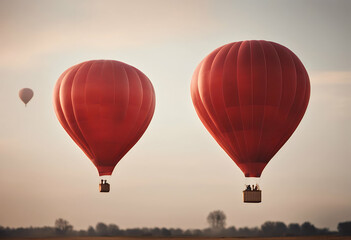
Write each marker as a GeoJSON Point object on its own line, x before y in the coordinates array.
{"type": "Point", "coordinates": [217, 229]}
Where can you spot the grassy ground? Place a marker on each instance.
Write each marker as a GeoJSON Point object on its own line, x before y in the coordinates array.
{"type": "Point", "coordinates": [189, 238]}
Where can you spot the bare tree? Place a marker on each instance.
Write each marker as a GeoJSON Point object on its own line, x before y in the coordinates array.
{"type": "Point", "coordinates": [62, 226]}
{"type": "Point", "coordinates": [308, 229]}
{"type": "Point", "coordinates": [91, 231]}
{"type": "Point", "coordinates": [113, 229]}
{"type": "Point", "coordinates": [274, 229]}
{"type": "Point", "coordinates": [216, 219]}
{"type": "Point", "coordinates": [101, 229]}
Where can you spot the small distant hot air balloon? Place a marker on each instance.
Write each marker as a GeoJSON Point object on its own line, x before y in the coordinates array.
{"type": "Point", "coordinates": [105, 106]}
{"type": "Point", "coordinates": [25, 95]}
{"type": "Point", "coordinates": [251, 96]}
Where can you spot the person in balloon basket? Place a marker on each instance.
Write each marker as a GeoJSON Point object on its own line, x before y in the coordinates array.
{"type": "Point", "coordinates": [253, 188]}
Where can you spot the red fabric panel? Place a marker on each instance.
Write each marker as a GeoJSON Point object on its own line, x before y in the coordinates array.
{"type": "Point", "coordinates": [105, 106]}
{"type": "Point", "coordinates": [251, 96]}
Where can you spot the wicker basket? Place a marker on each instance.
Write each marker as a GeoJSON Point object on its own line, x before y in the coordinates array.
{"type": "Point", "coordinates": [253, 196]}
{"type": "Point", "coordinates": [104, 187]}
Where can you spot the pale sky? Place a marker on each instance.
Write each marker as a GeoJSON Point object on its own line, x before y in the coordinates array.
{"type": "Point", "coordinates": [176, 174]}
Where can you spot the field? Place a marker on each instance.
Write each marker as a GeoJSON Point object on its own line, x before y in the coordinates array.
{"type": "Point", "coordinates": [190, 238]}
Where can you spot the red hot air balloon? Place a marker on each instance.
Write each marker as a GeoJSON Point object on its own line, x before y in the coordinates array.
{"type": "Point", "coordinates": [251, 96]}
{"type": "Point", "coordinates": [105, 106]}
{"type": "Point", "coordinates": [25, 95]}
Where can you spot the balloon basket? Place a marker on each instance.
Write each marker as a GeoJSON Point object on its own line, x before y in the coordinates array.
{"type": "Point", "coordinates": [104, 187]}
{"type": "Point", "coordinates": [252, 196]}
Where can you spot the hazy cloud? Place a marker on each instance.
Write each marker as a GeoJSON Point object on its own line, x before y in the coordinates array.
{"type": "Point", "coordinates": [30, 29]}
{"type": "Point", "coordinates": [326, 77]}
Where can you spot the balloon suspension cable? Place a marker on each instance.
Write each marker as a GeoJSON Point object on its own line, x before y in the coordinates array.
{"type": "Point", "coordinates": [252, 183]}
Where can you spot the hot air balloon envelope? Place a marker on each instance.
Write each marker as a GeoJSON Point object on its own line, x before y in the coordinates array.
{"type": "Point", "coordinates": [26, 94]}
{"type": "Point", "coordinates": [251, 96]}
{"type": "Point", "coordinates": [105, 106]}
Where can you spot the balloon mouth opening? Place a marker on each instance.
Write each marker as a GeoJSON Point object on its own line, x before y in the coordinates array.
{"type": "Point", "coordinates": [253, 175]}
{"type": "Point", "coordinates": [252, 169]}
{"type": "Point", "coordinates": [105, 170]}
